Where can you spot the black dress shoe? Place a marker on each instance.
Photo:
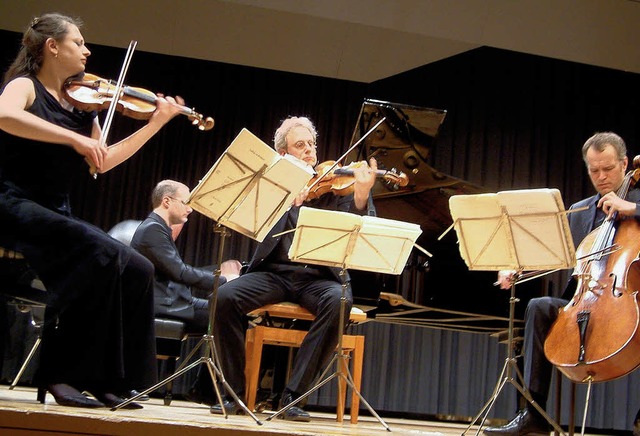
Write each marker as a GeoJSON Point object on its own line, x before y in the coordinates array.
{"type": "Point", "coordinates": [295, 413]}
{"type": "Point", "coordinates": [525, 423]}
{"type": "Point", "coordinates": [112, 400]}
{"type": "Point", "coordinates": [132, 393]}
{"type": "Point", "coordinates": [69, 396]}
{"type": "Point", "coordinates": [230, 407]}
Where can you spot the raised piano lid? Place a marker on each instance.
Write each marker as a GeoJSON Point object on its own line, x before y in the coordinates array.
{"type": "Point", "coordinates": [446, 293]}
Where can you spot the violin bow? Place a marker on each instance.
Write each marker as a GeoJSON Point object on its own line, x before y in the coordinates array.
{"type": "Point", "coordinates": [104, 131]}
{"type": "Point", "coordinates": [331, 168]}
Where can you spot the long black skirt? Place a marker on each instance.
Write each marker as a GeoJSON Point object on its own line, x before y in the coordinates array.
{"type": "Point", "coordinates": [100, 328]}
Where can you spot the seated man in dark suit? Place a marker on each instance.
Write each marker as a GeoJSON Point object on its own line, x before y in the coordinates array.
{"type": "Point", "coordinates": [605, 157]}
{"type": "Point", "coordinates": [175, 281]}
{"type": "Point", "coordinates": [272, 277]}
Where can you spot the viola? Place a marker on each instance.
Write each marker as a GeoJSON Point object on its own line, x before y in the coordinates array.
{"type": "Point", "coordinates": [340, 180]}
{"type": "Point", "coordinates": [596, 336]}
{"type": "Point", "coordinates": [93, 93]}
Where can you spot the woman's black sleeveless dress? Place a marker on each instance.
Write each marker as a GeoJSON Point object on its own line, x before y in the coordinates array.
{"type": "Point", "coordinates": [102, 294]}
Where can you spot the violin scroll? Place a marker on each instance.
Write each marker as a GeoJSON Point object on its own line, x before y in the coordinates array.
{"type": "Point", "coordinates": [203, 123]}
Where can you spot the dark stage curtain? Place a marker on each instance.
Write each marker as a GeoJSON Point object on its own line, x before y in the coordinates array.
{"type": "Point", "coordinates": [514, 121]}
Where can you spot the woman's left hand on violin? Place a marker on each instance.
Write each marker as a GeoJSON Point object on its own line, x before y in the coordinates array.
{"type": "Point", "coordinates": [166, 109]}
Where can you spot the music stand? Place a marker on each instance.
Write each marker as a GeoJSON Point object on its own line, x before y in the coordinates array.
{"type": "Point", "coordinates": [248, 189]}
{"type": "Point", "coordinates": [523, 230]}
{"type": "Point", "coordinates": [349, 241]}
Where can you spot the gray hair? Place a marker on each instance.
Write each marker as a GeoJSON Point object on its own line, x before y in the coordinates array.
{"type": "Point", "coordinates": [600, 140]}
{"type": "Point", "coordinates": [280, 138]}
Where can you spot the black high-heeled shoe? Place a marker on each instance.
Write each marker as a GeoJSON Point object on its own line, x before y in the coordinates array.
{"type": "Point", "coordinates": [66, 395]}
{"type": "Point", "coordinates": [112, 400]}
{"type": "Point", "coordinates": [126, 394]}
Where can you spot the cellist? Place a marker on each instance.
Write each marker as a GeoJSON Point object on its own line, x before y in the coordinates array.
{"type": "Point", "coordinates": [605, 156]}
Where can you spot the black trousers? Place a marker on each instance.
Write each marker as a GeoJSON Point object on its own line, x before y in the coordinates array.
{"type": "Point", "coordinates": [539, 317]}
{"type": "Point", "coordinates": [310, 287]}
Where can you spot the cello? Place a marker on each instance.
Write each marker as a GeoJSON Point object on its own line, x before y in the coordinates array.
{"type": "Point", "coordinates": [596, 336]}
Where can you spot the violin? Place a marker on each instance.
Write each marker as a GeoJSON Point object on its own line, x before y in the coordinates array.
{"type": "Point", "coordinates": [93, 93]}
{"type": "Point", "coordinates": [596, 335]}
{"type": "Point", "coordinates": [333, 177]}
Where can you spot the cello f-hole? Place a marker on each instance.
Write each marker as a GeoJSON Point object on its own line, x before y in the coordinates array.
{"type": "Point", "coordinates": [614, 288]}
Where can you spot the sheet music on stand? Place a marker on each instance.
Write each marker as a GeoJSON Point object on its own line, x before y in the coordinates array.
{"type": "Point", "coordinates": [510, 230]}
{"type": "Point", "coordinates": [346, 240]}
{"type": "Point", "coordinates": [513, 230]}
{"type": "Point", "coordinates": [349, 241]}
{"type": "Point", "coordinates": [250, 186]}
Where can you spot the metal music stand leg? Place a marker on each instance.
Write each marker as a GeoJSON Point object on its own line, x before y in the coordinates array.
{"type": "Point", "coordinates": [510, 364]}
{"type": "Point", "coordinates": [340, 358]}
{"type": "Point", "coordinates": [210, 355]}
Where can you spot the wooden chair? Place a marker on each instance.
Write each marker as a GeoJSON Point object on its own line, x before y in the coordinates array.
{"type": "Point", "coordinates": [263, 335]}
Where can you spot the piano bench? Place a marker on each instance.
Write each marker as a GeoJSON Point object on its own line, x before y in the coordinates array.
{"type": "Point", "coordinates": [262, 335]}
{"type": "Point", "coordinates": [169, 336]}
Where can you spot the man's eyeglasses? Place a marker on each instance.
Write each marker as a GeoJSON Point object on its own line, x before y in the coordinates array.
{"type": "Point", "coordinates": [181, 201]}
{"type": "Point", "coordinates": [301, 145]}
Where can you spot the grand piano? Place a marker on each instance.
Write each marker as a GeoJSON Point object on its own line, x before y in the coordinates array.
{"type": "Point", "coordinates": [439, 291]}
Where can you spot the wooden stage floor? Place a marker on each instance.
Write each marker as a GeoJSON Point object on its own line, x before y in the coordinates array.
{"type": "Point", "coordinates": [21, 414]}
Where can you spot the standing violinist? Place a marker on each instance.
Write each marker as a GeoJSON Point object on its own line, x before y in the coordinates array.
{"type": "Point", "coordinates": [271, 278]}
{"type": "Point", "coordinates": [605, 155]}
{"type": "Point", "coordinates": [101, 291]}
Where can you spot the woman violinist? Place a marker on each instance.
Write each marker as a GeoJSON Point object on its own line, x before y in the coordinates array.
{"type": "Point", "coordinates": [101, 290]}
{"type": "Point", "coordinates": [605, 156]}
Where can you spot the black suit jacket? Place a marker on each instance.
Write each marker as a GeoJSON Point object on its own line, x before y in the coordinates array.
{"type": "Point", "coordinates": [173, 277]}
